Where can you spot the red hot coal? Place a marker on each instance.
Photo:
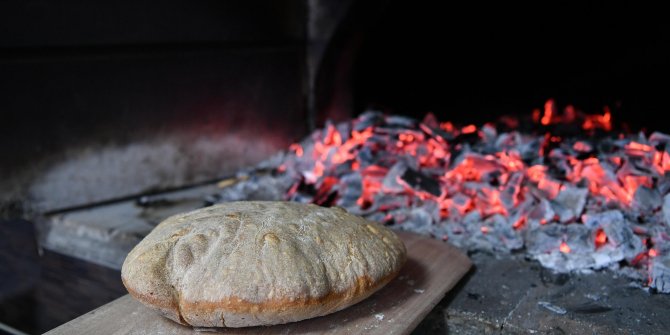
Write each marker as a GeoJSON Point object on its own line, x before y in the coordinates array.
{"type": "Point", "coordinates": [564, 187]}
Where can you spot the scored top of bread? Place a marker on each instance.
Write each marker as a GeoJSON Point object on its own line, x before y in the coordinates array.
{"type": "Point", "coordinates": [260, 263]}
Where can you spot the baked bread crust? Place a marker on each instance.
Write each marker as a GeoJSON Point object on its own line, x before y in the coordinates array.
{"type": "Point", "coordinates": [254, 263]}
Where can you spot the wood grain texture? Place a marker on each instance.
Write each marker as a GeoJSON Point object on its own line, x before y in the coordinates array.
{"type": "Point", "coordinates": [432, 269]}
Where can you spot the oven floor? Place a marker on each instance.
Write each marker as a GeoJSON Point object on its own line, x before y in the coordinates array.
{"type": "Point", "coordinates": [516, 296]}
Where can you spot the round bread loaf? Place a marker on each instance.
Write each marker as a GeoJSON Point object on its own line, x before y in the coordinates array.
{"type": "Point", "coordinates": [260, 263]}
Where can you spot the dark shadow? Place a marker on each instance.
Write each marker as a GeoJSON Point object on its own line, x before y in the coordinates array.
{"type": "Point", "coordinates": [39, 292]}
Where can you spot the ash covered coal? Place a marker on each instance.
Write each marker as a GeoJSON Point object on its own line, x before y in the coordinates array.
{"type": "Point", "coordinates": [564, 188]}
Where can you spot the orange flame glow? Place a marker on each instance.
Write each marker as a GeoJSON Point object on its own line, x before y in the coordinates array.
{"type": "Point", "coordinates": [469, 129]}
{"type": "Point", "coordinates": [603, 122]}
{"type": "Point", "coordinates": [548, 112]}
{"type": "Point", "coordinates": [601, 238]}
{"type": "Point", "coordinates": [564, 248]}
{"type": "Point", "coordinates": [297, 148]}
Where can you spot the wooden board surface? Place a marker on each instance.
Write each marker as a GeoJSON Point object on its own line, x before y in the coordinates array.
{"type": "Point", "coordinates": [432, 269]}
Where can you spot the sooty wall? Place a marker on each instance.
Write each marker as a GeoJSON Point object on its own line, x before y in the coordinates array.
{"type": "Point", "coordinates": [105, 99]}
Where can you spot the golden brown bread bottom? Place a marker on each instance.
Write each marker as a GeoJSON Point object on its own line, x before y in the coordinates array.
{"type": "Point", "coordinates": [331, 303]}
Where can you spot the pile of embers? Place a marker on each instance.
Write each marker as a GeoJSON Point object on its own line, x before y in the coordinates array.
{"type": "Point", "coordinates": [564, 187]}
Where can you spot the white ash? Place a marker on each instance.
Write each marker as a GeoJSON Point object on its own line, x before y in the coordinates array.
{"type": "Point", "coordinates": [551, 307]}
{"type": "Point", "coordinates": [660, 274]}
{"type": "Point", "coordinates": [666, 208]}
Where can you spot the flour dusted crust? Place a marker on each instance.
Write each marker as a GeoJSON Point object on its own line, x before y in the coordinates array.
{"type": "Point", "coordinates": [260, 263]}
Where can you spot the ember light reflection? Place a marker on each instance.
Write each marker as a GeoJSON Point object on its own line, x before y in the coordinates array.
{"type": "Point", "coordinates": [493, 187]}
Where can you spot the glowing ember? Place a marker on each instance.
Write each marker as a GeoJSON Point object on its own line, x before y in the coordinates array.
{"type": "Point", "coordinates": [548, 112]}
{"type": "Point", "coordinates": [519, 223]}
{"type": "Point", "coordinates": [469, 129]}
{"type": "Point", "coordinates": [480, 187]}
{"type": "Point", "coordinates": [582, 146]}
{"type": "Point", "coordinates": [601, 238]}
{"type": "Point", "coordinates": [589, 122]}
{"type": "Point", "coordinates": [297, 148]}
{"type": "Point", "coordinates": [603, 122]}
{"type": "Point", "coordinates": [564, 248]}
